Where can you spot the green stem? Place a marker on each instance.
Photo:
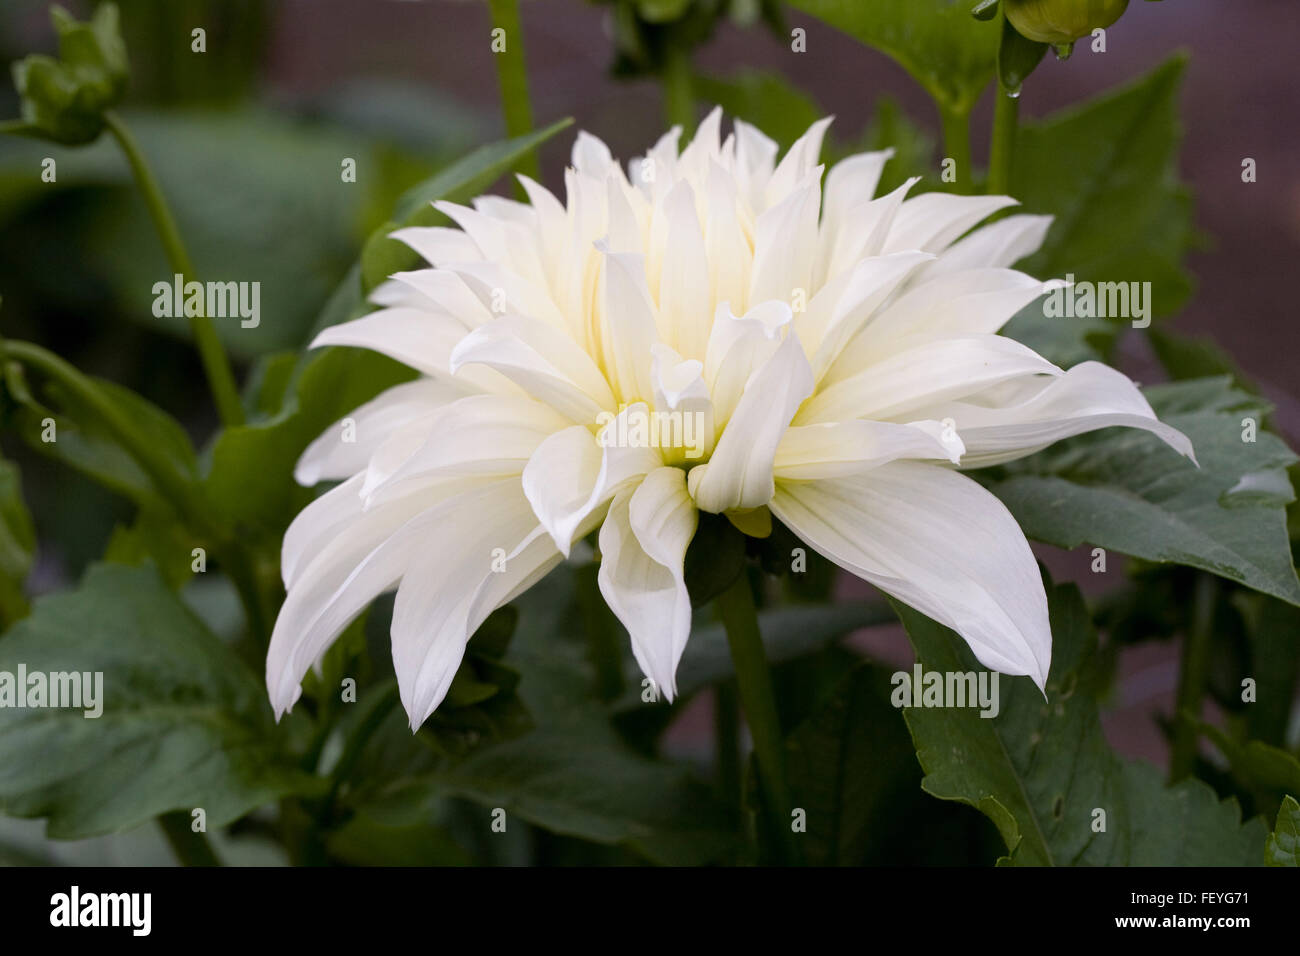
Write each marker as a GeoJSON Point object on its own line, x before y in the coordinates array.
{"type": "Point", "coordinates": [213, 356]}
{"type": "Point", "coordinates": [512, 74]}
{"type": "Point", "coordinates": [1006, 115]}
{"type": "Point", "coordinates": [191, 849]}
{"type": "Point", "coordinates": [956, 145]}
{"type": "Point", "coordinates": [740, 620]}
{"type": "Point", "coordinates": [679, 93]}
{"type": "Point", "coordinates": [1192, 677]}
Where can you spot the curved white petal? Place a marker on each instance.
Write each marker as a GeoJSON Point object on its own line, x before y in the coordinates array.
{"type": "Point", "coordinates": [924, 375]}
{"type": "Point", "coordinates": [938, 541]}
{"type": "Point", "coordinates": [349, 572]}
{"type": "Point", "coordinates": [998, 245]}
{"type": "Point", "coordinates": [1087, 397]}
{"type": "Point", "coordinates": [541, 360]}
{"type": "Point", "coordinates": [931, 222]}
{"type": "Point", "coordinates": [481, 558]}
{"type": "Point", "coordinates": [738, 347]}
{"type": "Point", "coordinates": [573, 473]}
{"type": "Point", "coordinates": [643, 546]}
{"type": "Point", "coordinates": [739, 474]}
{"type": "Point", "coordinates": [834, 449]}
{"type": "Point", "coordinates": [345, 448]}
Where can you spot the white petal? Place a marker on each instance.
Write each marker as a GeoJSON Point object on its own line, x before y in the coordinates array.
{"type": "Point", "coordinates": [590, 155]}
{"type": "Point", "coordinates": [643, 546]}
{"type": "Point", "coordinates": [933, 221]}
{"type": "Point", "coordinates": [628, 331]}
{"type": "Point", "coordinates": [684, 293]}
{"type": "Point", "coordinates": [938, 541]}
{"type": "Point", "coordinates": [797, 163]}
{"type": "Point", "coordinates": [739, 474]}
{"type": "Point", "coordinates": [543, 361]}
{"type": "Point", "coordinates": [415, 337]}
{"type": "Point", "coordinates": [739, 346]}
{"type": "Point", "coordinates": [970, 302]}
{"type": "Point", "coordinates": [924, 375]}
{"type": "Point", "coordinates": [349, 572]}
{"type": "Point", "coordinates": [345, 448]}
{"type": "Point", "coordinates": [572, 475]}
{"type": "Point", "coordinates": [785, 245]}
{"type": "Point", "coordinates": [1087, 397]}
{"type": "Point", "coordinates": [438, 244]}
{"type": "Point", "coordinates": [482, 557]}
{"type": "Point", "coordinates": [998, 245]}
{"type": "Point", "coordinates": [834, 449]}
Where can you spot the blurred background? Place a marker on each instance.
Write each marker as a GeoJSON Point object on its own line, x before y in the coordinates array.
{"type": "Point", "coordinates": [247, 140]}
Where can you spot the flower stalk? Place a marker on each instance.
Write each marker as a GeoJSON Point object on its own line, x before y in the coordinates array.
{"type": "Point", "coordinates": [1006, 117]}
{"type": "Point", "coordinates": [956, 145]}
{"type": "Point", "coordinates": [740, 620]}
{"type": "Point", "coordinates": [512, 74]}
{"type": "Point", "coordinates": [216, 365]}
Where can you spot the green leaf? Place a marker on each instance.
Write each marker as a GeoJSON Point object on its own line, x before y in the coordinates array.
{"type": "Point", "coordinates": [1263, 769]}
{"type": "Point", "coordinates": [947, 50]}
{"type": "Point", "coordinates": [80, 440]}
{"type": "Point", "coordinates": [184, 724]}
{"type": "Point", "coordinates": [1041, 769]}
{"type": "Point", "coordinates": [1125, 490]}
{"type": "Point", "coordinates": [250, 482]}
{"type": "Point", "coordinates": [585, 782]}
{"type": "Point", "coordinates": [1107, 170]}
{"type": "Point", "coordinates": [850, 766]}
{"type": "Point", "coordinates": [1283, 847]}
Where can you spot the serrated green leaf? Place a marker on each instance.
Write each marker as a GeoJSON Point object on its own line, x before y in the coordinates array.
{"type": "Point", "coordinates": [1041, 769]}
{"type": "Point", "coordinates": [184, 723]}
{"type": "Point", "coordinates": [1125, 490]}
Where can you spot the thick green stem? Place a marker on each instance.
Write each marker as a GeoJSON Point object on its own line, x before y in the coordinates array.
{"type": "Point", "coordinates": [956, 146]}
{"type": "Point", "coordinates": [512, 75]}
{"type": "Point", "coordinates": [213, 356]}
{"type": "Point", "coordinates": [740, 619]}
{"type": "Point", "coordinates": [1006, 115]}
{"type": "Point", "coordinates": [679, 93]}
{"type": "Point", "coordinates": [191, 849]}
{"type": "Point", "coordinates": [1192, 677]}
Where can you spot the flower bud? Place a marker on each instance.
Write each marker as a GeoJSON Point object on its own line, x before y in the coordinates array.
{"type": "Point", "coordinates": [1061, 22]}
{"type": "Point", "coordinates": [65, 99]}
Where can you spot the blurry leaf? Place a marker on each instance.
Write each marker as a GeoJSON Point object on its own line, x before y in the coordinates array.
{"type": "Point", "coordinates": [1264, 770]}
{"type": "Point", "coordinates": [586, 783]}
{"type": "Point", "coordinates": [1124, 489]}
{"type": "Point", "coordinates": [184, 723]}
{"type": "Point", "coordinates": [1273, 636]}
{"type": "Point", "coordinates": [81, 441]}
{"type": "Point", "coordinates": [1108, 172]}
{"type": "Point", "coordinates": [1283, 847]}
{"type": "Point", "coordinates": [365, 841]}
{"type": "Point", "coordinates": [157, 537]}
{"type": "Point", "coordinates": [850, 766]}
{"type": "Point", "coordinates": [1017, 58]}
{"type": "Point", "coordinates": [1042, 768]}
{"type": "Point", "coordinates": [947, 50]}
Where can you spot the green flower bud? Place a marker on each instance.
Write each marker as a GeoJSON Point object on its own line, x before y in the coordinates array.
{"type": "Point", "coordinates": [65, 99]}
{"type": "Point", "coordinates": [1061, 22]}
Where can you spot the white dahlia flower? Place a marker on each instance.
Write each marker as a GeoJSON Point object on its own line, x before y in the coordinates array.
{"type": "Point", "coordinates": [711, 330]}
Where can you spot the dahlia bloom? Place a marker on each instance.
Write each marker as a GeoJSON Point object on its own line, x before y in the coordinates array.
{"type": "Point", "coordinates": [808, 350]}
